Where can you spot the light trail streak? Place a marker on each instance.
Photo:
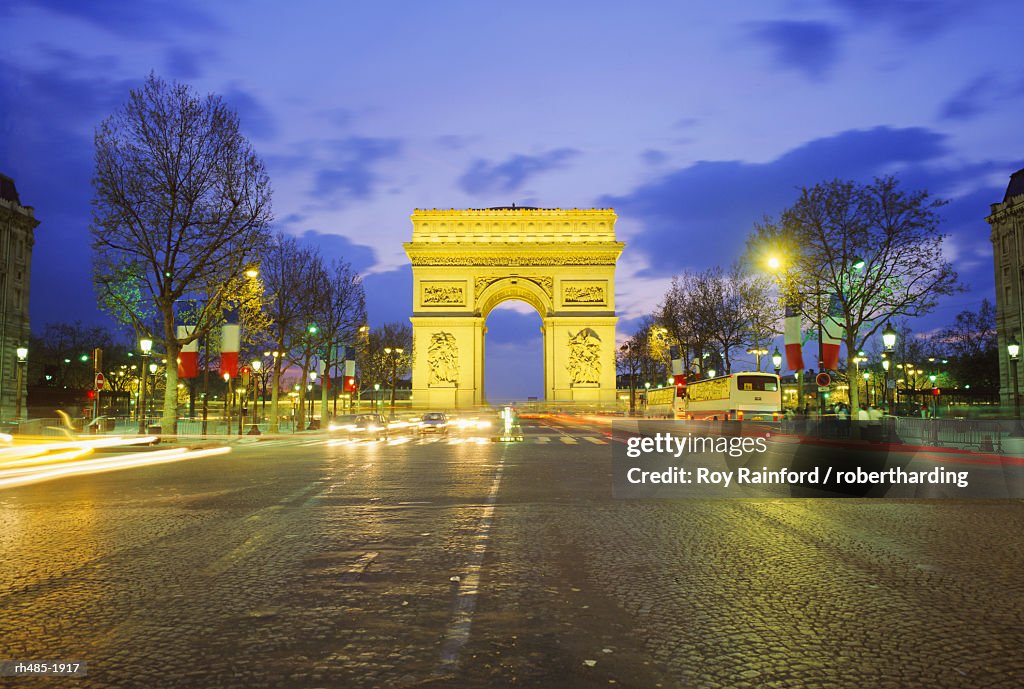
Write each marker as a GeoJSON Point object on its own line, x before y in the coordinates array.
{"type": "Point", "coordinates": [95, 466]}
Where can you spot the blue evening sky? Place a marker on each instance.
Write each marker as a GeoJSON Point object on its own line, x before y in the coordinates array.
{"type": "Point", "coordinates": [691, 119]}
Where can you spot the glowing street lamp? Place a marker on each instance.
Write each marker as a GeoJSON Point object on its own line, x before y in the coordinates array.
{"type": "Point", "coordinates": [22, 353]}
{"type": "Point", "coordinates": [394, 354]}
{"type": "Point", "coordinates": [227, 402]}
{"type": "Point", "coordinates": [1013, 349]}
{"type": "Point", "coordinates": [777, 361]}
{"type": "Point", "coordinates": [145, 346]}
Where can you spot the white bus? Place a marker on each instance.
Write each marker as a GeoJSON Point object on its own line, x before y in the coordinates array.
{"type": "Point", "coordinates": [736, 397]}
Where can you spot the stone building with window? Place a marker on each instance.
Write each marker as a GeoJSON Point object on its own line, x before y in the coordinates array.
{"type": "Point", "coordinates": [1007, 221]}
{"type": "Point", "coordinates": [17, 226]}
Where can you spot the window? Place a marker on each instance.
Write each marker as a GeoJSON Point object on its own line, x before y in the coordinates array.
{"type": "Point", "coordinates": [756, 384]}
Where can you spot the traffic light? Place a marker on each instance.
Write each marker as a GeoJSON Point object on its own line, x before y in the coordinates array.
{"type": "Point", "coordinates": [350, 383]}
{"type": "Point", "coordinates": [313, 329]}
{"type": "Point", "coordinates": [90, 395]}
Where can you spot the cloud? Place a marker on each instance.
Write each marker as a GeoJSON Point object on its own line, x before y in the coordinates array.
{"type": "Point", "coordinates": [352, 175]}
{"type": "Point", "coordinates": [339, 247]}
{"type": "Point", "coordinates": [980, 95]}
{"type": "Point", "coordinates": [700, 215]}
{"type": "Point", "coordinates": [339, 117]}
{"type": "Point", "coordinates": [254, 118]}
{"type": "Point", "coordinates": [913, 19]}
{"type": "Point", "coordinates": [46, 145]}
{"type": "Point", "coordinates": [484, 177]}
{"type": "Point", "coordinates": [389, 295]}
{"type": "Point", "coordinates": [654, 157]}
{"type": "Point", "coordinates": [808, 47]}
{"type": "Point", "coordinates": [183, 64]}
{"type": "Point", "coordinates": [453, 142]}
{"type": "Point", "coordinates": [136, 20]}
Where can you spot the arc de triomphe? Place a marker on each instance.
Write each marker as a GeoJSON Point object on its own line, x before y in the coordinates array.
{"type": "Point", "coordinates": [466, 262]}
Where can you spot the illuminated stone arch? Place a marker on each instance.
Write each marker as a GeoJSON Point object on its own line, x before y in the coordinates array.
{"type": "Point", "coordinates": [466, 262]}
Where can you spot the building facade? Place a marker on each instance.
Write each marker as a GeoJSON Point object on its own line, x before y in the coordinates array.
{"type": "Point", "coordinates": [17, 236]}
{"type": "Point", "coordinates": [1007, 221]}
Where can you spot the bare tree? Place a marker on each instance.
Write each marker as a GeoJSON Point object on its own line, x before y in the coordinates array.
{"type": "Point", "coordinates": [972, 348]}
{"type": "Point", "coordinates": [375, 365]}
{"type": "Point", "coordinates": [341, 315]}
{"type": "Point", "coordinates": [760, 309]}
{"type": "Point", "coordinates": [288, 271]}
{"type": "Point", "coordinates": [859, 254]}
{"type": "Point", "coordinates": [181, 204]}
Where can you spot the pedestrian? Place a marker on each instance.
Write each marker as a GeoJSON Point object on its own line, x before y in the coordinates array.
{"type": "Point", "coordinates": [862, 415]}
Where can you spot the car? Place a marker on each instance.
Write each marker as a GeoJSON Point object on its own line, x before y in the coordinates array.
{"type": "Point", "coordinates": [358, 426]}
{"type": "Point", "coordinates": [434, 422]}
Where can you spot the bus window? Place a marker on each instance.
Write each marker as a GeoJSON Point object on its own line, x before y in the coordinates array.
{"type": "Point", "coordinates": [756, 383]}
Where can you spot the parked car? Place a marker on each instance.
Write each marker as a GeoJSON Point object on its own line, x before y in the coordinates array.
{"type": "Point", "coordinates": [434, 422]}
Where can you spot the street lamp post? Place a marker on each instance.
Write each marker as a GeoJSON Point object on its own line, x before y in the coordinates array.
{"type": "Point", "coordinates": [22, 353]}
{"type": "Point", "coordinates": [227, 403]}
{"type": "Point", "coordinates": [888, 341]}
{"type": "Point", "coordinates": [310, 388]}
{"type": "Point", "coordinates": [376, 397]}
{"type": "Point", "coordinates": [151, 394]}
{"type": "Point", "coordinates": [1013, 349]}
{"type": "Point", "coordinates": [394, 354]}
{"type": "Point", "coordinates": [626, 350]}
{"type": "Point", "coordinates": [758, 352]}
{"type": "Point", "coordinates": [777, 361]}
{"type": "Point", "coordinates": [256, 366]}
{"type": "Point", "coordinates": [146, 346]}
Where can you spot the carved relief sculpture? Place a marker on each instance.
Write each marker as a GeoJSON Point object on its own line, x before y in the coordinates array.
{"type": "Point", "coordinates": [584, 357]}
{"type": "Point", "coordinates": [588, 294]}
{"type": "Point", "coordinates": [545, 282]}
{"type": "Point", "coordinates": [443, 295]}
{"type": "Point", "coordinates": [443, 359]}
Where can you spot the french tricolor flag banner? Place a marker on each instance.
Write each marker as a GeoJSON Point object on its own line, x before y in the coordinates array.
{"type": "Point", "coordinates": [794, 345]}
{"type": "Point", "coordinates": [832, 334]}
{"type": "Point", "coordinates": [230, 338]}
{"type": "Point", "coordinates": [188, 358]}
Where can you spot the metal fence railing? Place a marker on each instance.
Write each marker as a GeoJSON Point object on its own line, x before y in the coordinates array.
{"type": "Point", "coordinates": [986, 435]}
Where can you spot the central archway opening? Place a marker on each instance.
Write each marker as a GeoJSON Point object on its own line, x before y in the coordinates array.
{"type": "Point", "coordinates": [513, 354]}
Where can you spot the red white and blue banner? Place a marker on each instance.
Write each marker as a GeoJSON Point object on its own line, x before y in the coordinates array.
{"type": "Point", "coordinates": [188, 358]}
{"type": "Point", "coordinates": [831, 334]}
{"type": "Point", "coordinates": [794, 345]}
{"type": "Point", "coordinates": [230, 339]}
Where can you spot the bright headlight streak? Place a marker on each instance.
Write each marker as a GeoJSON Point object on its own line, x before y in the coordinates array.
{"type": "Point", "coordinates": [23, 465]}
{"type": "Point", "coordinates": [95, 466]}
{"type": "Point", "coordinates": [23, 451]}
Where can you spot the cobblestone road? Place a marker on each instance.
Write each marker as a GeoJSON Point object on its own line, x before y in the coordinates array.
{"type": "Point", "coordinates": [286, 564]}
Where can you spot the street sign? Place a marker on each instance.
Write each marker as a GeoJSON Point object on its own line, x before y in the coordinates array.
{"type": "Point", "coordinates": [100, 381]}
{"type": "Point", "coordinates": [822, 389]}
{"type": "Point", "coordinates": [891, 385]}
{"type": "Point", "coordinates": [823, 380]}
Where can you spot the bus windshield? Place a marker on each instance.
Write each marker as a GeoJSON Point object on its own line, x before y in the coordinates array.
{"type": "Point", "coordinates": [756, 383]}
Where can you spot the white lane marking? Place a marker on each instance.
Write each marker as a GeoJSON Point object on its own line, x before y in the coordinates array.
{"type": "Point", "coordinates": [568, 440]}
{"type": "Point", "coordinates": [596, 441]}
{"type": "Point", "coordinates": [543, 439]}
{"type": "Point", "coordinates": [469, 583]}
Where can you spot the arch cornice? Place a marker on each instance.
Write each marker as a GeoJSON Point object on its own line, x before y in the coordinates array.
{"type": "Point", "coordinates": [510, 288]}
